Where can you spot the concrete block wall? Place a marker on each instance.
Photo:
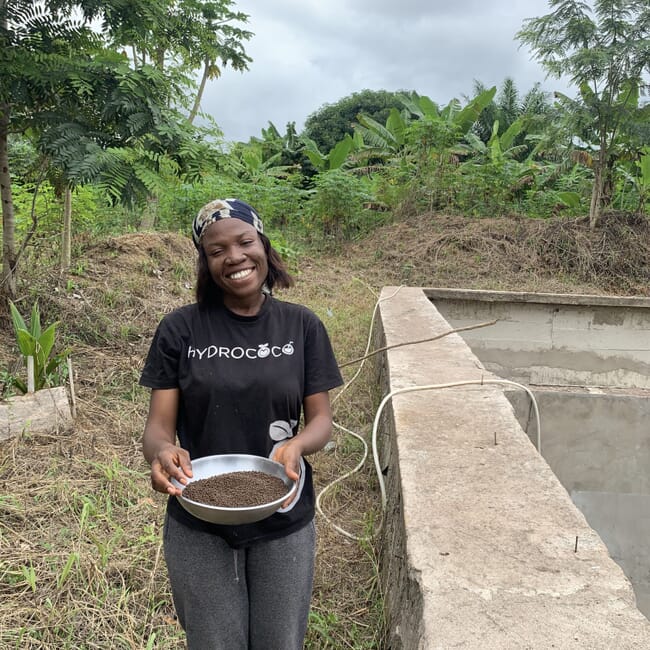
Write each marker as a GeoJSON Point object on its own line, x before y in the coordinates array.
{"type": "Point", "coordinates": [482, 546]}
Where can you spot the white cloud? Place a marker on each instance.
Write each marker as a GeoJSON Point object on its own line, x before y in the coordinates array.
{"type": "Point", "coordinates": [307, 53]}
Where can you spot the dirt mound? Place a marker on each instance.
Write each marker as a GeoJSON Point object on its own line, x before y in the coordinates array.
{"type": "Point", "coordinates": [135, 249]}
{"type": "Point", "coordinates": [516, 253]}
{"type": "Point", "coordinates": [119, 287]}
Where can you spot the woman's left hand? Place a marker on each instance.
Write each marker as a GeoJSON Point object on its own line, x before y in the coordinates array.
{"type": "Point", "coordinates": [289, 455]}
{"type": "Point", "coordinates": [314, 436]}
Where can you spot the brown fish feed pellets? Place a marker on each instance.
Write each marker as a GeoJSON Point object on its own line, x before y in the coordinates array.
{"type": "Point", "coordinates": [242, 489]}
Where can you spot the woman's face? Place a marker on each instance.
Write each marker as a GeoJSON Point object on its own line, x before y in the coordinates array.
{"type": "Point", "coordinates": [236, 258]}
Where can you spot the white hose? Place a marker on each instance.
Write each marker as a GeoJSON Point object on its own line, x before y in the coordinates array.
{"type": "Point", "coordinates": [411, 389]}
{"type": "Point", "coordinates": [342, 478]}
{"type": "Point", "coordinates": [360, 464]}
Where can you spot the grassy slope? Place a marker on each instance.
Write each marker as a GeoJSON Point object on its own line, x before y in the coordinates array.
{"type": "Point", "coordinates": [80, 550]}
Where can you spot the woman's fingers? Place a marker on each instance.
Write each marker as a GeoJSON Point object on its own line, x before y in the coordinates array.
{"type": "Point", "coordinates": [290, 458]}
{"type": "Point", "coordinates": [170, 463]}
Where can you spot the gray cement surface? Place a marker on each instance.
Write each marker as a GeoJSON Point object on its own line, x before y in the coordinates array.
{"type": "Point", "coordinates": [479, 548]}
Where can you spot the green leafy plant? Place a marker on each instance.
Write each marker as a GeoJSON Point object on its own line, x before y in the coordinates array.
{"type": "Point", "coordinates": [336, 206]}
{"type": "Point", "coordinates": [36, 342]}
{"type": "Point", "coordinates": [639, 180]}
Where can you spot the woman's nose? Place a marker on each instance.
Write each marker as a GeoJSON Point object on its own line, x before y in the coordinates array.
{"type": "Point", "coordinates": [235, 255]}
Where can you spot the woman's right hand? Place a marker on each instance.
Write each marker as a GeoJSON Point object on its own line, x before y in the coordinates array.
{"type": "Point", "coordinates": [170, 461]}
{"type": "Point", "coordinates": [167, 460]}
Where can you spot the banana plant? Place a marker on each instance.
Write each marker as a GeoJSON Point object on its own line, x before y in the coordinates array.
{"type": "Point", "coordinates": [336, 157]}
{"type": "Point", "coordinates": [643, 166]}
{"type": "Point", "coordinates": [498, 147]}
{"type": "Point", "coordinates": [389, 138]}
{"type": "Point", "coordinates": [462, 117]}
{"type": "Point", "coordinates": [641, 180]}
{"type": "Point", "coordinates": [422, 124]}
{"type": "Point", "coordinates": [38, 343]}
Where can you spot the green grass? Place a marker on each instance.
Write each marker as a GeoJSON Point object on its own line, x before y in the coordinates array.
{"type": "Point", "coordinates": [80, 528]}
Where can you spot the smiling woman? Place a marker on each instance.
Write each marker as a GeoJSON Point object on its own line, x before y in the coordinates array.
{"type": "Point", "coordinates": [228, 234]}
{"type": "Point", "coordinates": [234, 373]}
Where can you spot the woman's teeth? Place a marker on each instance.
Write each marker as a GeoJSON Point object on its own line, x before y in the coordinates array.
{"type": "Point", "coordinates": [240, 274]}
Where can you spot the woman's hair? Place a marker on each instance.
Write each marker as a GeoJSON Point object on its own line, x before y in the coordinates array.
{"type": "Point", "coordinates": [208, 293]}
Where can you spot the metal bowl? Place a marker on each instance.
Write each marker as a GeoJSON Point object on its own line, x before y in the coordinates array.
{"type": "Point", "coordinates": [208, 466]}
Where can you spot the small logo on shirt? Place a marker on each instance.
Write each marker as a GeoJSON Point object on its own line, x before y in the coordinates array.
{"type": "Point", "coordinates": [281, 430]}
{"type": "Point", "coordinates": [262, 351]}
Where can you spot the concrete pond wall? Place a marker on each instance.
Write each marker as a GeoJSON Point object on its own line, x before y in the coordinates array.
{"type": "Point", "coordinates": [554, 339]}
{"type": "Point", "coordinates": [587, 359]}
{"type": "Point", "coordinates": [482, 544]}
{"type": "Point", "coordinates": [598, 445]}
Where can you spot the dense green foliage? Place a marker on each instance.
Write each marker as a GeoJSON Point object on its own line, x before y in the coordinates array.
{"type": "Point", "coordinates": [79, 113]}
{"type": "Point", "coordinates": [603, 48]}
{"type": "Point", "coordinates": [95, 115]}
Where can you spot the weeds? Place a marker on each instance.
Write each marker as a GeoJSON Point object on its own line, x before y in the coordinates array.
{"type": "Point", "coordinates": [80, 527]}
{"type": "Point", "coordinates": [90, 570]}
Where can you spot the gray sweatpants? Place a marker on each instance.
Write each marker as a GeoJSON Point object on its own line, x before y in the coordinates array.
{"type": "Point", "coordinates": [256, 598]}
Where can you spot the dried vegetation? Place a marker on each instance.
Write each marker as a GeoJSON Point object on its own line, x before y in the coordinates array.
{"type": "Point", "coordinates": [80, 530]}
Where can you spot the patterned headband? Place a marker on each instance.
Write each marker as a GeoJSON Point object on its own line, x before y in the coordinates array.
{"type": "Point", "coordinates": [224, 209]}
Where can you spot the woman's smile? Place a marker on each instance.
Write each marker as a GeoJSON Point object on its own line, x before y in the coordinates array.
{"type": "Point", "coordinates": [240, 275]}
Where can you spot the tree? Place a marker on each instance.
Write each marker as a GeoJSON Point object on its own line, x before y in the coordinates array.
{"type": "Point", "coordinates": [74, 98]}
{"type": "Point", "coordinates": [194, 34]}
{"type": "Point", "coordinates": [35, 49]}
{"type": "Point", "coordinates": [602, 47]}
{"type": "Point", "coordinates": [91, 112]}
{"type": "Point", "coordinates": [330, 123]}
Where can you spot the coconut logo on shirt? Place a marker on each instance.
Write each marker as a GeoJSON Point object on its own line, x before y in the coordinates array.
{"type": "Point", "coordinates": [262, 351]}
{"type": "Point", "coordinates": [281, 430]}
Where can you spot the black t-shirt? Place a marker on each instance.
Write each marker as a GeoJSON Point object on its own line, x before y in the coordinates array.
{"type": "Point", "coordinates": [242, 382]}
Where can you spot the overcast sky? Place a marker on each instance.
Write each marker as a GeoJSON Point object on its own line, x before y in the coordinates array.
{"type": "Point", "coordinates": [307, 53]}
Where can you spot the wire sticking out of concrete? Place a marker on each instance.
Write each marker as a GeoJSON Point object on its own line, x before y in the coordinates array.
{"type": "Point", "coordinates": [453, 384]}
{"type": "Point", "coordinates": [431, 338]}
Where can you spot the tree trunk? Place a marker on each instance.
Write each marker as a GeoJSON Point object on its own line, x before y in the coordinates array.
{"type": "Point", "coordinates": [148, 220]}
{"type": "Point", "coordinates": [9, 259]}
{"type": "Point", "coordinates": [160, 59]}
{"type": "Point", "coordinates": [594, 207]}
{"type": "Point", "coordinates": [600, 173]}
{"type": "Point", "coordinates": [66, 236]}
{"type": "Point", "coordinates": [199, 94]}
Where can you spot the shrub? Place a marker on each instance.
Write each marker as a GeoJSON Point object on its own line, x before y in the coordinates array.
{"type": "Point", "coordinates": [38, 343]}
